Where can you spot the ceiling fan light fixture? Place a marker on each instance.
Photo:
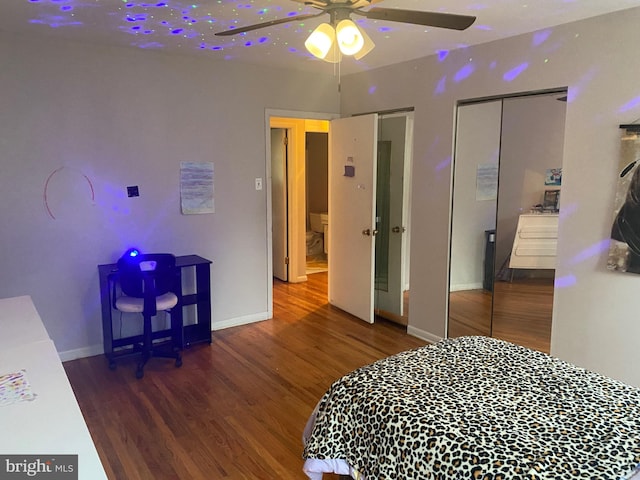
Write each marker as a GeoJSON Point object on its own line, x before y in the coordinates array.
{"type": "Point", "coordinates": [367, 47]}
{"type": "Point", "coordinates": [320, 42]}
{"type": "Point", "coordinates": [350, 39]}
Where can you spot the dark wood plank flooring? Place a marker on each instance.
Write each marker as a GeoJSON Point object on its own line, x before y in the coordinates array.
{"type": "Point", "coordinates": [522, 311]}
{"type": "Point", "coordinates": [235, 409]}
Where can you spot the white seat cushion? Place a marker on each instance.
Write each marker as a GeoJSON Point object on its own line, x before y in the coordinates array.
{"type": "Point", "coordinates": [135, 305]}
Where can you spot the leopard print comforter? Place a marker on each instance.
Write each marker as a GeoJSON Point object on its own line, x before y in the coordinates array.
{"type": "Point", "coordinates": [478, 408]}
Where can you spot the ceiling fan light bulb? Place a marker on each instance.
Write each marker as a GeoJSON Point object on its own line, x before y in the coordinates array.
{"type": "Point", "coordinates": [320, 41]}
{"type": "Point", "coordinates": [350, 38]}
{"type": "Point", "coordinates": [367, 47]}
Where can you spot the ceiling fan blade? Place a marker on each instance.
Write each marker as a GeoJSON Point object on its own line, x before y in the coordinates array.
{"type": "Point", "coordinates": [295, 18]}
{"type": "Point", "coordinates": [431, 19]}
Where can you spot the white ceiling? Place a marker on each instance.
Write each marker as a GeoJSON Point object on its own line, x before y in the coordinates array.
{"type": "Point", "coordinates": [188, 27]}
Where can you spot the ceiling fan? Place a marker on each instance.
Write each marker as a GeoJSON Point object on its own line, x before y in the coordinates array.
{"type": "Point", "coordinates": [341, 36]}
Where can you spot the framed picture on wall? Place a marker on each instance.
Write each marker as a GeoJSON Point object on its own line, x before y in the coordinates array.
{"type": "Point", "coordinates": [553, 176]}
{"type": "Point", "coordinates": [624, 247]}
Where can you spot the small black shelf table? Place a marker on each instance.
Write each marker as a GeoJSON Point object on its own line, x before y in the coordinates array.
{"type": "Point", "coordinates": [190, 334]}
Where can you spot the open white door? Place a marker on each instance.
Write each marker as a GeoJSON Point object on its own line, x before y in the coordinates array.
{"type": "Point", "coordinates": [279, 203]}
{"type": "Point", "coordinates": [352, 193]}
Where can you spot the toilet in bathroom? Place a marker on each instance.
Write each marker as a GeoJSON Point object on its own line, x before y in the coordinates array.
{"type": "Point", "coordinates": [319, 222]}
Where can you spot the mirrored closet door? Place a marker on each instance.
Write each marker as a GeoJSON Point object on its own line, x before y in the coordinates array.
{"type": "Point", "coordinates": [506, 187]}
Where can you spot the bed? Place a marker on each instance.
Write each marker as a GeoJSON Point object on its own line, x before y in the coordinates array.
{"type": "Point", "coordinates": [474, 408]}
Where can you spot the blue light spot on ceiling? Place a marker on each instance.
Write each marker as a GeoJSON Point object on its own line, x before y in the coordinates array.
{"type": "Point", "coordinates": [248, 44]}
{"type": "Point", "coordinates": [384, 29]}
{"type": "Point", "coordinates": [66, 8]}
{"type": "Point", "coordinates": [464, 72]}
{"type": "Point", "coordinates": [292, 14]}
{"type": "Point", "coordinates": [216, 48]}
{"type": "Point", "coordinates": [293, 50]}
{"type": "Point", "coordinates": [263, 39]}
{"type": "Point", "coordinates": [177, 31]}
{"type": "Point", "coordinates": [485, 28]}
{"type": "Point", "coordinates": [372, 89]}
{"type": "Point", "coordinates": [514, 73]}
{"type": "Point", "coordinates": [442, 54]}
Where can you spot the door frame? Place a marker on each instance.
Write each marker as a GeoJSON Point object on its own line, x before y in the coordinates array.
{"type": "Point", "coordinates": [291, 114]}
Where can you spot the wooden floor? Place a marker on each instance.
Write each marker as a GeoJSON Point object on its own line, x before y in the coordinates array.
{"type": "Point", "coordinates": [522, 312]}
{"type": "Point", "coordinates": [235, 409]}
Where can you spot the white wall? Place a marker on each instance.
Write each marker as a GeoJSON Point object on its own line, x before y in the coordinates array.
{"type": "Point", "coordinates": [595, 311]}
{"type": "Point", "coordinates": [114, 117]}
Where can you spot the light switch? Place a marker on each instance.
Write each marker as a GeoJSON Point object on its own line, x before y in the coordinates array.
{"type": "Point", "coordinates": [258, 184]}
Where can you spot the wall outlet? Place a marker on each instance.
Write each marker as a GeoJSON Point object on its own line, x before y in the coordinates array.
{"type": "Point", "coordinates": [258, 184]}
{"type": "Point", "coordinates": [133, 191]}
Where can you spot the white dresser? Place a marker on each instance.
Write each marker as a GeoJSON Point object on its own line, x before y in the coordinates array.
{"type": "Point", "coordinates": [535, 242]}
{"type": "Point", "coordinates": [51, 423]}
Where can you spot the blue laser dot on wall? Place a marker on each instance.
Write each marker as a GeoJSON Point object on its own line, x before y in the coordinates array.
{"type": "Point", "coordinates": [463, 73]}
{"type": "Point", "coordinates": [177, 31]}
{"type": "Point", "coordinates": [442, 54]}
{"type": "Point", "coordinates": [384, 29]}
{"type": "Point", "coordinates": [514, 73]}
{"type": "Point", "coordinates": [248, 44]}
{"type": "Point", "coordinates": [630, 105]}
{"type": "Point", "coordinates": [263, 39]}
{"type": "Point", "coordinates": [216, 48]}
{"type": "Point", "coordinates": [441, 87]}
{"type": "Point", "coordinates": [66, 8]}
{"type": "Point", "coordinates": [540, 37]}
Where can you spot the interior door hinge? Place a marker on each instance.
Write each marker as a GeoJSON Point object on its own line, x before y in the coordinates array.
{"type": "Point", "coordinates": [286, 260]}
{"type": "Point", "coordinates": [285, 140]}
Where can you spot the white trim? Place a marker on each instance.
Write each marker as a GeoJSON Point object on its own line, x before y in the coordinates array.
{"type": "Point", "coordinates": [423, 334]}
{"type": "Point", "coordinates": [90, 351]}
{"type": "Point", "coordinates": [465, 286]}
{"type": "Point", "coordinates": [268, 113]}
{"type": "Point", "coordinates": [232, 322]}
{"type": "Point", "coordinates": [244, 320]}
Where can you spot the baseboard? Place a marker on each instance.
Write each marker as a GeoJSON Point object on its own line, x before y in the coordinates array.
{"type": "Point", "coordinates": [99, 349]}
{"type": "Point", "coordinates": [465, 286]}
{"type": "Point", "coordinates": [237, 321]}
{"type": "Point", "coordinates": [90, 351]}
{"type": "Point", "coordinates": [423, 334]}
